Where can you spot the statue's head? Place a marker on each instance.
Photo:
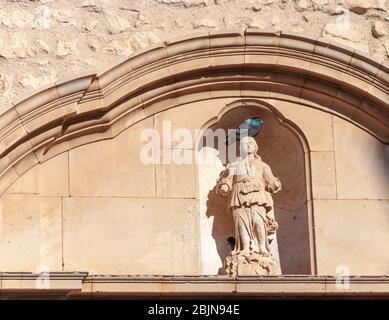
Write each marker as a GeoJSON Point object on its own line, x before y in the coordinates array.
{"type": "Point", "coordinates": [248, 145]}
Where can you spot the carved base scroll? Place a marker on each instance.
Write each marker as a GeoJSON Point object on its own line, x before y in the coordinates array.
{"type": "Point", "coordinates": [253, 264]}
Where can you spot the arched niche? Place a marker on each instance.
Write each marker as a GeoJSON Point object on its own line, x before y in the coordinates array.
{"type": "Point", "coordinates": [281, 145]}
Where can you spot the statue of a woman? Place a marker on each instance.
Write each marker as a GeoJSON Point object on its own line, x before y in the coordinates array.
{"type": "Point", "coordinates": [249, 182]}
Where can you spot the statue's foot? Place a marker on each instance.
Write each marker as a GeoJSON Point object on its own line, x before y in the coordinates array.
{"type": "Point", "coordinates": [245, 252]}
{"type": "Point", "coordinates": [264, 252]}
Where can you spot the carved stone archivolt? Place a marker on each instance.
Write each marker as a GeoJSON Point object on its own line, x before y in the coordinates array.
{"type": "Point", "coordinates": [93, 107]}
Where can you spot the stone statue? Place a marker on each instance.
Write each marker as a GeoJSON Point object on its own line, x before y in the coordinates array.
{"type": "Point", "coordinates": [249, 183]}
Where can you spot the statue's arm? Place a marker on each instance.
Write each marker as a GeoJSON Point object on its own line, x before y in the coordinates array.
{"type": "Point", "coordinates": [273, 184]}
{"type": "Point", "coordinates": [224, 183]}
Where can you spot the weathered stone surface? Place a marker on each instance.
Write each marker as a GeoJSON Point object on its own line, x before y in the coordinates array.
{"type": "Point", "coordinates": [176, 181]}
{"type": "Point", "coordinates": [30, 238]}
{"type": "Point", "coordinates": [44, 46]}
{"type": "Point", "coordinates": [65, 17]}
{"type": "Point", "coordinates": [50, 178]}
{"type": "Point", "coordinates": [378, 29]}
{"type": "Point", "coordinates": [353, 32]}
{"type": "Point", "coordinates": [117, 24]}
{"type": "Point", "coordinates": [131, 236]}
{"type": "Point", "coordinates": [231, 21]}
{"type": "Point", "coordinates": [257, 23]}
{"type": "Point", "coordinates": [359, 6]}
{"type": "Point", "coordinates": [130, 42]}
{"type": "Point", "coordinates": [118, 170]}
{"type": "Point", "coordinates": [186, 3]}
{"type": "Point", "coordinates": [361, 163]}
{"type": "Point", "coordinates": [4, 83]}
{"type": "Point", "coordinates": [362, 6]}
{"type": "Point", "coordinates": [27, 183]}
{"type": "Point", "coordinates": [253, 265]}
{"type": "Point", "coordinates": [304, 5]}
{"type": "Point", "coordinates": [17, 19]}
{"type": "Point", "coordinates": [323, 175]}
{"type": "Point", "coordinates": [32, 81]}
{"type": "Point", "coordinates": [348, 33]}
{"type": "Point", "coordinates": [313, 122]}
{"type": "Point", "coordinates": [90, 24]}
{"type": "Point", "coordinates": [207, 23]}
{"type": "Point", "coordinates": [255, 6]}
{"type": "Point", "coordinates": [386, 46]}
{"type": "Point", "coordinates": [352, 234]}
{"type": "Point", "coordinates": [54, 176]}
{"type": "Point", "coordinates": [195, 3]}
{"type": "Point", "coordinates": [16, 46]}
{"type": "Point", "coordinates": [30, 30]}
{"type": "Point", "coordinates": [92, 6]}
{"type": "Point", "coordinates": [177, 118]}
{"type": "Point", "coordinates": [65, 48]}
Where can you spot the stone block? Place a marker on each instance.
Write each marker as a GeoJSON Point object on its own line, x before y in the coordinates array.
{"type": "Point", "coordinates": [142, 236]}
{"type": "Point", "coordinates": [112, 167]}
{"type": "Point", "coordinates": [315, 124]}
{"type": "Point", "coordinates": [323, 175]}
{"type": "Point", "coordinates": [352, 233]}
{"type": "Point", "coordinates": [176, 180]}
{"type": "Point", "coordinates": [7, 178]}
{"type": "Point", "coordinates": [30, 238]}
{"type": "Point", "coordinates": [54, 176]}
{"type": "Point", "coordinates": [361, 163]}
{"type": "Point", "coordinates": [26, 183]}
{"type": "Point", "coordinates": [177, 118]}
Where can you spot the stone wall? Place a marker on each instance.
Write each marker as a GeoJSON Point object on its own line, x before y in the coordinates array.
{"type": "Point", "coordinates": [98, 208]}
{"type": "Point", "coordinates": [78, 198]}
{"type": "Point", "coordinates": [43, 41]}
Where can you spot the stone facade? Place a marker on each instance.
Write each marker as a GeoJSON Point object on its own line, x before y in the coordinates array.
{"type": "Point", "coordinates": [38, 47]}
{"type": "Point", "coordinates": [76, 197]}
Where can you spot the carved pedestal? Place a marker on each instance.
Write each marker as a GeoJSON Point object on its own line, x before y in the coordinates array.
{"type": "Point", "coordinates": [252, 264]}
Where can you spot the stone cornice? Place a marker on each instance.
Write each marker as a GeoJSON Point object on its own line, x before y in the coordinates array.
{"type": "Point", "coordinates": [261, 64]}
{"type": "Point", "coordinates": [81, 285]}
{"type": "Point", "coordinates": [281, 286]}
{"type": "Point", "coordinates": [26, 284]}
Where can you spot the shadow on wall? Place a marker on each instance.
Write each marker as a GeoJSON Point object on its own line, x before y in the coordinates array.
{"type": "Point", "coordinates": [282, 150]}
{"type": "Point", "coordinates": [223, 224]}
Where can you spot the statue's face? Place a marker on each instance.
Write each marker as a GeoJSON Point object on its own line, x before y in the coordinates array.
{"type": "Point", "coordinates": [247, 146]}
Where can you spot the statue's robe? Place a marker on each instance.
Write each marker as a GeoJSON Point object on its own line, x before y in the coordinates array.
{"type": "Point", "coordinates": [250, 188]}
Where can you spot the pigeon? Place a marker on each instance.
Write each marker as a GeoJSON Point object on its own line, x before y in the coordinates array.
{"type": "Point", "coordinates": [250, 127]}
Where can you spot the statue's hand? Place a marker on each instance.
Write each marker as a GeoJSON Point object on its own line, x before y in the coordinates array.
{"type": "Point", "coordinates": [275, 186]}
{"type": "Point", "coordinates": [224, 188]}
